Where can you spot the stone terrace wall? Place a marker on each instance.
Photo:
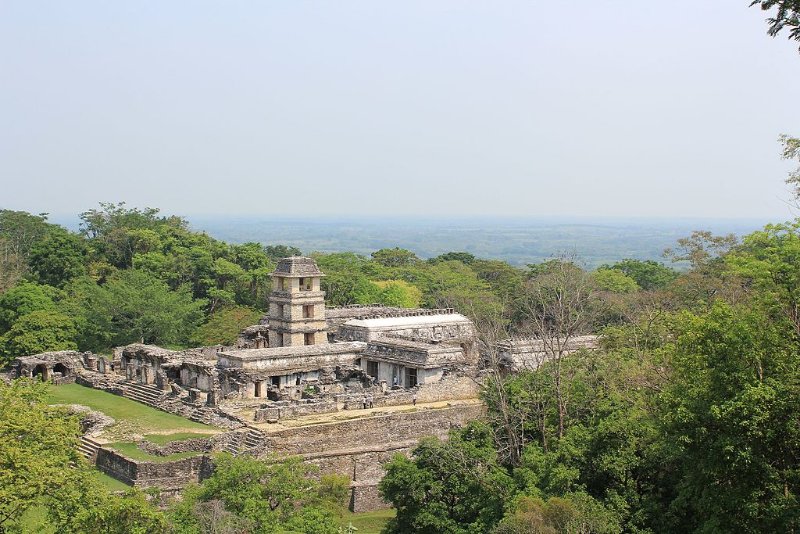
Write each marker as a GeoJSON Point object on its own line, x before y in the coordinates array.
{"type": "Point", "coordinates": [359, 448]}
{"type": "Point", "coordinates": [142, 474]}
{"type": "Point", "coordinates": [381, 430]}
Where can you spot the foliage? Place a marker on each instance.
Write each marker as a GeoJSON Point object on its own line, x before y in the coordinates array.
{"type": "Point", "coordinates": [23, 299]}
{"type": "Point", "coordinates": [395, 257]}
{"type": "Point", "coordinates": [730, 414]}
{"type": "Point", "coordinates": [224, 326]}
{"type": "Point", "coordinates": [398, 293]}
{"type": "Point", "coordinates": [768, 261]}
{"type": "Point", "coordinates": [277, 252]}
{"type": "Point", "coordinates": [576, 512]}
{"type": "Point", "coordinates": [38, 331]}
{"type": "Point", "coordinates": [264, 496]}
{"type": "Point", "coordinates": [614, 281]}
{"type": "Point", "coordinates": [454, 487]}
{"type": "Point", "coordinates": [58, 258]}
{"type": "Point", "coordinates": [787, 16]}
{"type": "Point", "coordinates": [141, 308]}
{"type": "Point", "coordinates": [647, 274]}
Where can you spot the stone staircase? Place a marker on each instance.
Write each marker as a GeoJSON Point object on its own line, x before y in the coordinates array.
{"type": "Point", "coordinates": [203, 414]}
{"type": "Point", "coordinates": [244, 442]}
{"type": "Point", "coordinates": [88, 447]}
{"type": "Point", "coordinates": [144, 393]}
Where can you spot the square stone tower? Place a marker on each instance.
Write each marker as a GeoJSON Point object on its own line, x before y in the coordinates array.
{"type": "Point", "coordinates": [296, 304]}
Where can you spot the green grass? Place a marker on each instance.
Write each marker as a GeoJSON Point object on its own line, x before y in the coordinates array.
{"type": "Point", "coordinates": [110, 483]}
{"type": "Point", "coordinates": [369, 522]}
{"type": "Point", "coordinates": [130, 450]}
{"type": "Point", "coordinates": [34, 519]}
{"type": "Point", "coordinates": [142, 418]}
{"type": "Point", "coordinates": [163, 439]}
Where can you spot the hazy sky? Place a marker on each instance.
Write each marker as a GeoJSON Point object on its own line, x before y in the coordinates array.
{"type": "Point", "coordinates": [627, 108]}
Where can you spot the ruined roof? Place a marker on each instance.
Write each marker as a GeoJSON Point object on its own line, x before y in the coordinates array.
{"type": "Point", "coordinates": [297, 266]}
{"type": "Point", "coordinates": [538, 345]}
{"type": "Point", "coordinates": [409, 321]}
{"type": "Point", "coordinates": [288, 352]}
{"type": "Point", "coordinates": [61, 356]}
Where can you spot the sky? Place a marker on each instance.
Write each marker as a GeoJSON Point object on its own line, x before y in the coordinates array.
{"type": "Point", "coordinates": [409, 108]}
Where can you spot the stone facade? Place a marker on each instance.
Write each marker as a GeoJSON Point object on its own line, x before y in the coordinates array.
{"type": "Point", "coordinates": [297, 304]}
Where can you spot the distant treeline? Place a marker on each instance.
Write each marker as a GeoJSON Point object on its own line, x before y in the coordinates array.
{"type": "Point", "coordinates": [133, 275]}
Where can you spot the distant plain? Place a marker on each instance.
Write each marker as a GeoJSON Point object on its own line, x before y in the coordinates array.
{"type": "Point", "coordinates": [519, 241]}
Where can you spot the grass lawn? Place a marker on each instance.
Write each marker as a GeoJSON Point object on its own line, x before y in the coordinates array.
{"type": "Point", "coordinates": [111, 483]}
{"type": "Point", "coordinates": [368, 522]}
{"type": "Point", "coordinates": [138, 417]}
{"type": "Point", "coordinates": [130, 450]}
{"type": "Point", "coordinates": [163, 439]}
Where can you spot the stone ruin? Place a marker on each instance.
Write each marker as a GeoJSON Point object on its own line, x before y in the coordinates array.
{"type": "Point", "coordinates": [302, 359]}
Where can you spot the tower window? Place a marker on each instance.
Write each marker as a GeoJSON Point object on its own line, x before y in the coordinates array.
{"type": "Point", "coordinates": [308, 311]}
{"type": "Point", "coordinates": [305, 284]}
{"type": "Point", "coordinates": [308, 338]}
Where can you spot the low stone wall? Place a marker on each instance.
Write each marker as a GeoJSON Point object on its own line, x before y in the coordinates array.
{"type": "Point", "coordinates": [174, 447]}
{"type": "Point", "coordinates": [273, 413]}
{"type": "Point", "coordinates": [143, 474]}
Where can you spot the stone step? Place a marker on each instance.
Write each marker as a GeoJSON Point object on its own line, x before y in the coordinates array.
{"type": "Point", "coordinates": [88, 447]}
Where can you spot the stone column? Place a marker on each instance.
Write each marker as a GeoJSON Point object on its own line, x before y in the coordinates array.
{"type": "Point", "coordinates": [130, 371]}
{"type": "Point", "coordinates": [162, 381]}
{"type": "Point", "coordinates": [213, 397]}
{"type": "Point", "coordinates": [147, 374]}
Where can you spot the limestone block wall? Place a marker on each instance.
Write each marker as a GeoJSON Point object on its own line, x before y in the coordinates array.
{"type": "Point", "coordinates": [142, 474]}
{"type": "Point", "coordinates": [382, 431]}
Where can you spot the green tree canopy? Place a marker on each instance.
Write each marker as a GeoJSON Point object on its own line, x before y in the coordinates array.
{"type": "Point", "coordinates": [141, 308]}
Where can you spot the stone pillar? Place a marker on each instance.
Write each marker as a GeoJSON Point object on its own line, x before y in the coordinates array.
{"type": "Point", "coordinates": [91, 362]}
{"type": "Point", "coordinates": [130, 371]}
{"type": "Point", "coordinates": [162, 381]}
{"type": "Point", "coordinates": [148, 376]}
{"type": "Point", "coordinates": [213, 397]}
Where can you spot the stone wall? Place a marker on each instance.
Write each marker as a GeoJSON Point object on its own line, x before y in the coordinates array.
{"type": "Point", "coordinates": [359, 448]}
{"type": "Point", "coordinates": [143, 474]}
{"type": "Point", "coordinates": [273, 413]}
{"type": "Point", "coordinates": [174, 447]}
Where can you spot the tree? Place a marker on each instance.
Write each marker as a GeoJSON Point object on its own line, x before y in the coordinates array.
{"type": "Point", "coordinates": [648, 274]}
{"type": "Point", "coordinates": [395, 257]}
{"type": "Point", "coordinates": [113, 514]}
{"type": "Point", "coordinates": [769, 260]}
{"type": "Point", "coordinates": [278, 252]}
{"type": "Point", "coordinates": [345, 282]}
{"type": "Point", "coordinates": [455, 486]}
{"type": "Point", "coordinates": [614, 281]}
{"type": "Point", "coordinates": [36, 332]}
{"type": "Point", "coordinates": [576, 512]}
{"type": "Point", "coordinates": [267, 496]}
{"type": "Point", "coordinates": [224, 326]}
{"type": "Point", "coordinates": [730, 413]}
{"type": "Point", "coordinates": [787, 16]}
{"type": "Point", "coordinates": [464, 257]}
{"type": "Point", "coordinates": [38, 449]}
{"type": "Point", "coordinates": [791, 151]}
{"type": "Point", "coordinates": [141, 308]}
{"type": "Point", "coordinates": [24, 299]}
{"type": "Point", "coordinates": [398, 293]}
{"type": "Point", "coordinates": [559, 303]}
{"type": "Point", "coordinates": [58, 258]}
